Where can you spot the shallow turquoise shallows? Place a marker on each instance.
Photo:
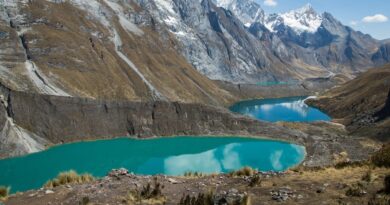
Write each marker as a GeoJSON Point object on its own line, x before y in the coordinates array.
{"type": "Point", "coordinates": [171, 156]}
{"type": "Point", "coordinates": [291, 109]}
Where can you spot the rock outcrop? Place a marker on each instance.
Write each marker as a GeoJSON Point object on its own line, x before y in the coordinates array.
{"type": "Point", "coordinates": [67, 119]}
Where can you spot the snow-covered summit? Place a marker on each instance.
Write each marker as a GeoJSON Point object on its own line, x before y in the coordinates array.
{"type": "Point", "coordinates": [304, 19]}
{"type": "Point", "coordinates": [248, 11]}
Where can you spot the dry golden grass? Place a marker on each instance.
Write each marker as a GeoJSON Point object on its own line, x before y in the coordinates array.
{"type": "Point", "coordinates": [89, 66]}
{"type": "Point", "coordinates": [382, 157]}
{"type": "Point", "coordinates": [198, 174]}
{"type": "Point", "coordinates": [150, 194]}
{"type": "Point", "coordinates": [70, 177]}
{"type": "Point", "coordinates": [245, 171]}
{"type": "Point", "coordinates": [4, 191]}
{"type": "Point", "coordinates": [209, 199]}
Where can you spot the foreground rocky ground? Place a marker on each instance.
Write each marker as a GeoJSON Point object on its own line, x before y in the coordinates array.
{"type": "Point", "coordinates": [361, 184]}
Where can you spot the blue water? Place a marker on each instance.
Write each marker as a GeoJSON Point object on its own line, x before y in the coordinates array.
{"type": "Point", "coordinates": [171, 156]}
{"type": "Point", "coordinates": [291, 109]}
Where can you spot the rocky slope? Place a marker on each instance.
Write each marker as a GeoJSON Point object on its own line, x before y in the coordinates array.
{"type": "Point", "coordinates": [170, 49]}
{"type": "Point", "coordinates": [95, 49]}
{"type": "Point", "coordinates": [362, 104]}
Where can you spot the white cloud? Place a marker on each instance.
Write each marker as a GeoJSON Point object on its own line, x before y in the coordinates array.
{"type": "Point", "coordinates": [275, 160]}
{"type": "Point", "coordinates": [270, 2]}
{"type": "Point", "coordinates": [377, 18]}
{"type": "Point", "coordinates": [354, 23]}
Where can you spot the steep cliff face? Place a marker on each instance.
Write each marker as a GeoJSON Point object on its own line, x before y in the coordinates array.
{"type": "Point", "coordinates": [31, 122]}
{"type": "Point", "coordinates": [15, 140]}
{"type": "Point", "coordinates": [215, 41]}
{"type": "Point", "coordinates": [383, 54]}
{"type": "Point", "coordinates": [94, 49]}
{"type": "Point", "coordinates": [64, 119]}
{"type": "Point", "coordinates": [361, 104]}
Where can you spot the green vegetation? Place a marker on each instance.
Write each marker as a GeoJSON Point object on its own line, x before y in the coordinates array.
{"type": "Point", "coordinates": [4, 191]}
{"type": "Point", "coordinates": [382, 157]}
{"type": "Point", "coordinates": [245, 171]}
{"type": "Point", "coordinates": [148, 195]}
{"type": "Point", "coordinates": [70, 177]}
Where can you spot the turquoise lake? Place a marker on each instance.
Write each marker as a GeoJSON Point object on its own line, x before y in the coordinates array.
{"type": "Point", "coordinates": [291, 109]}
{"type": "Point", "coordinates": [171, 156]}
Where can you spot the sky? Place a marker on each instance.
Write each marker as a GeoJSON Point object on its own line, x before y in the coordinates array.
{"type": "Point", "coordinates": [369, 16]}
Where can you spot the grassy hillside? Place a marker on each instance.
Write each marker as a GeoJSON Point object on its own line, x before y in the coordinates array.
{"type": "Point", "coordinates": [360, 104]}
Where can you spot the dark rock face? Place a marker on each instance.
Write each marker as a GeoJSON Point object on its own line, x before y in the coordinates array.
{"type": "Point", "coordinates": [63, 119]}
{"type": "Point", "coordinates": [382, 55]}
{"type": "Point", "coordinates": [385, 112]}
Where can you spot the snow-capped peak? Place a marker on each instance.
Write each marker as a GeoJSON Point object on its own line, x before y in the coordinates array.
{"type": "Point", "coordinates": [248, 11]}
{"type": "Point", "coordinates": [304, 9]}
{"type": "Point", "coordinates": [304, 19]}
{"type": "Point", "coordinates": [223, 3]}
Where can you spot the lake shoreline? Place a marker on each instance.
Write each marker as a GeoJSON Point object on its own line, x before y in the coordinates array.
{"type": "Point", "coordinates": [85, 119]}
{"type": "Point", "coordinates": [166, 156]}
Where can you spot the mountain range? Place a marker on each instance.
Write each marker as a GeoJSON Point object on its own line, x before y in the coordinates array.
{"type": "Point", "coordinates": [171, 49]}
